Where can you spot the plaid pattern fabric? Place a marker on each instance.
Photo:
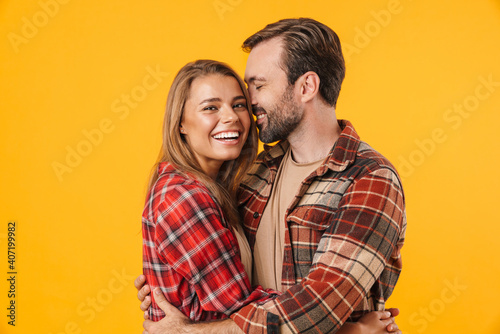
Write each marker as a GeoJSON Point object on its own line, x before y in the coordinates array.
{"type": "Point", "coordinates": [344, 232]}
{"type": "Point", "coordinates": [190, 252]}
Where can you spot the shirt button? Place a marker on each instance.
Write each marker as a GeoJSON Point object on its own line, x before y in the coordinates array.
{"type": "Point", "coordinates": [256, 215]}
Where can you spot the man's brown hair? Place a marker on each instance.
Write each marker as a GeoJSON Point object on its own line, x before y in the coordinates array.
{"type": "Point", "coordinates": [308, 45]}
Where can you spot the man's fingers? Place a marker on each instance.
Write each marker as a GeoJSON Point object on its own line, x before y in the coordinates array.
{"type": "Point", "coordinates": [143, 292]}
{"type": "Point", "coordinates": [146, 303]}
{"type": "Point", "coordinates": [394, 311]}
{"type": "Point", "coordinates": [383, 315]}
{"type": "Point", "coordinates": [386, 319]}
{"type": "Point", "coordinates": [139, 281]}
{"type": "Point", "coordinates": [394, 329]}
{"type": "Point", "coordinates": [162, 302]}
{"type": "Point", "coordinates": [147, 325]}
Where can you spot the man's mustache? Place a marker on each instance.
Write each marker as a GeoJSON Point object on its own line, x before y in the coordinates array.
{"type": "Point", "coordinates": [255, 110]}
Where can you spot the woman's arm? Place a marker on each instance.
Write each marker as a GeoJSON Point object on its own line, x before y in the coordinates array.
{"type": "Point", "coordinates": [190, 234]}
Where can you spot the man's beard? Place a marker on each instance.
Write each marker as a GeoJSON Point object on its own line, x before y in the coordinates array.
{"type": "Point", "coordinates": [283, 119]}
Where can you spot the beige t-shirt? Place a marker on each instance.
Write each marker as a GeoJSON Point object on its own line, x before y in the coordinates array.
{"type": "Point", "coordinates": [245, 252]}
{"type": "Point", "coordinates": [270, 239]}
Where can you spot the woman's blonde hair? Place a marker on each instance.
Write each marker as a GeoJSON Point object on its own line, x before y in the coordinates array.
{"type": "Point", "coordinates": [176, 150]}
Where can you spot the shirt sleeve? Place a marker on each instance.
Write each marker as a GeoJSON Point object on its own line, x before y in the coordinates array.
{"type": "Point", "coordinates": [191, 236]}
{"type": "Point", "coordinates": [363, 238]}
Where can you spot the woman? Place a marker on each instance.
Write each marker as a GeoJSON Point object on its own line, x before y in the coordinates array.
{"type": "Point", "coordinates": [194, 248]}
{"type": "Point", "coordinates": [190, 249]}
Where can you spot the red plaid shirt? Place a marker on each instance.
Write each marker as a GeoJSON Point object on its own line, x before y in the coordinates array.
{"type": "Point", "coordinates": [190, 251]}
{"type": "Point", "coordinates": [343, 236]}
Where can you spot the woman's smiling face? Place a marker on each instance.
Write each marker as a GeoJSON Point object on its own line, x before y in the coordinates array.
{"type": "Point", "coordinates": [215, 121]}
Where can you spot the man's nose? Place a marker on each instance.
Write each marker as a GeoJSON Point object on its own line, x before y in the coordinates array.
{"type": "Point", "coordinates": [253, 96]}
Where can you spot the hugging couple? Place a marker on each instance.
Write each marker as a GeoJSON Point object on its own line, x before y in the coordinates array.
{"type": "Point", "coordinates": [304, 237]}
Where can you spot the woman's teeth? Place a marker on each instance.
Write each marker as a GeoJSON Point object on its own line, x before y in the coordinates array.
{"type": "Point", "coordinates": [227, 135]}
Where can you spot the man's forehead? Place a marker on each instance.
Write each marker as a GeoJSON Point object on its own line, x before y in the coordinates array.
{"type": "Point", "coordinates": [263, 59]}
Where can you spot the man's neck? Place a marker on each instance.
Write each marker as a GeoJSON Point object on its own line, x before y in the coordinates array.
{"type": "Point", "coordinates": [315, 137]}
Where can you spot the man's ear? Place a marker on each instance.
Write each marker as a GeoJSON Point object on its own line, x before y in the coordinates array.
{"type": "Point", "coordinates": [309, 86]}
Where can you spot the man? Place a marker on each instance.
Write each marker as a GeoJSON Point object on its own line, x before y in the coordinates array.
{"type": "Point", "coordinates": [323, 212]}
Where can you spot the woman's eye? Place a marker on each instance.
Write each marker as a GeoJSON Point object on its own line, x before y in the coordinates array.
{"type": "Point", "coordinates": [239, 105]}
{"type": "Point", "coordinates": [210, 108]}
{"type": "Point", "coordinates": [257, 87]}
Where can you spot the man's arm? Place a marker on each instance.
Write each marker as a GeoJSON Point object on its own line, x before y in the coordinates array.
{"type": "Point", "coordinates": [175, 322]}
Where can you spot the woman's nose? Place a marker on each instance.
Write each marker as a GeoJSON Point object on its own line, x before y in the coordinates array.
{"type": "Point", "coordinates": [228, 115]}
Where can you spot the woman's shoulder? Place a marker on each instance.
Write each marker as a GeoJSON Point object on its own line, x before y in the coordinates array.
{"type": "Point", "coordinates": [173, 182]}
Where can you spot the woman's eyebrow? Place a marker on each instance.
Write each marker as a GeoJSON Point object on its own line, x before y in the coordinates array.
{"type": "Point", "coordinates": [239, 97]}
{"type": "Point", "coordinates": [212, 99]}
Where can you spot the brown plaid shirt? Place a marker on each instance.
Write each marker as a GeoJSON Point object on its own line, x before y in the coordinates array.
{"type": "Point", "coordinates": [343, 236]}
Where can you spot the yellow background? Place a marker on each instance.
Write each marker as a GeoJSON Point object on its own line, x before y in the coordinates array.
{"type": "Point", "coordinates": [422, 87]}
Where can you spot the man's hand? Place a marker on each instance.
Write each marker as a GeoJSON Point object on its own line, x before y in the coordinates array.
{"type": "Point", "coordinates": [143, 294]}
{"type": "Point", "coordinates": [393, 327]}
{"type": "Point", "coordinates": [375, 322]}
{"type": "Point", "coordinates": [379, 322]}
{"type": "Point", "coordinates": [174, 321]}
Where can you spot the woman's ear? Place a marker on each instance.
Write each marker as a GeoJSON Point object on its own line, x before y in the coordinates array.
{"type": "Point", "coordinates": [182, 130]}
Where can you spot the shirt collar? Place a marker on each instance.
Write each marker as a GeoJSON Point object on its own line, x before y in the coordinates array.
{"type": "Point", "coordinates": [344, 151]}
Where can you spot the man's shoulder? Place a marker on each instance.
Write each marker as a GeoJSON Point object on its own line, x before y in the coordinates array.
{"type": "Point", "coordinates": [372, 160]}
